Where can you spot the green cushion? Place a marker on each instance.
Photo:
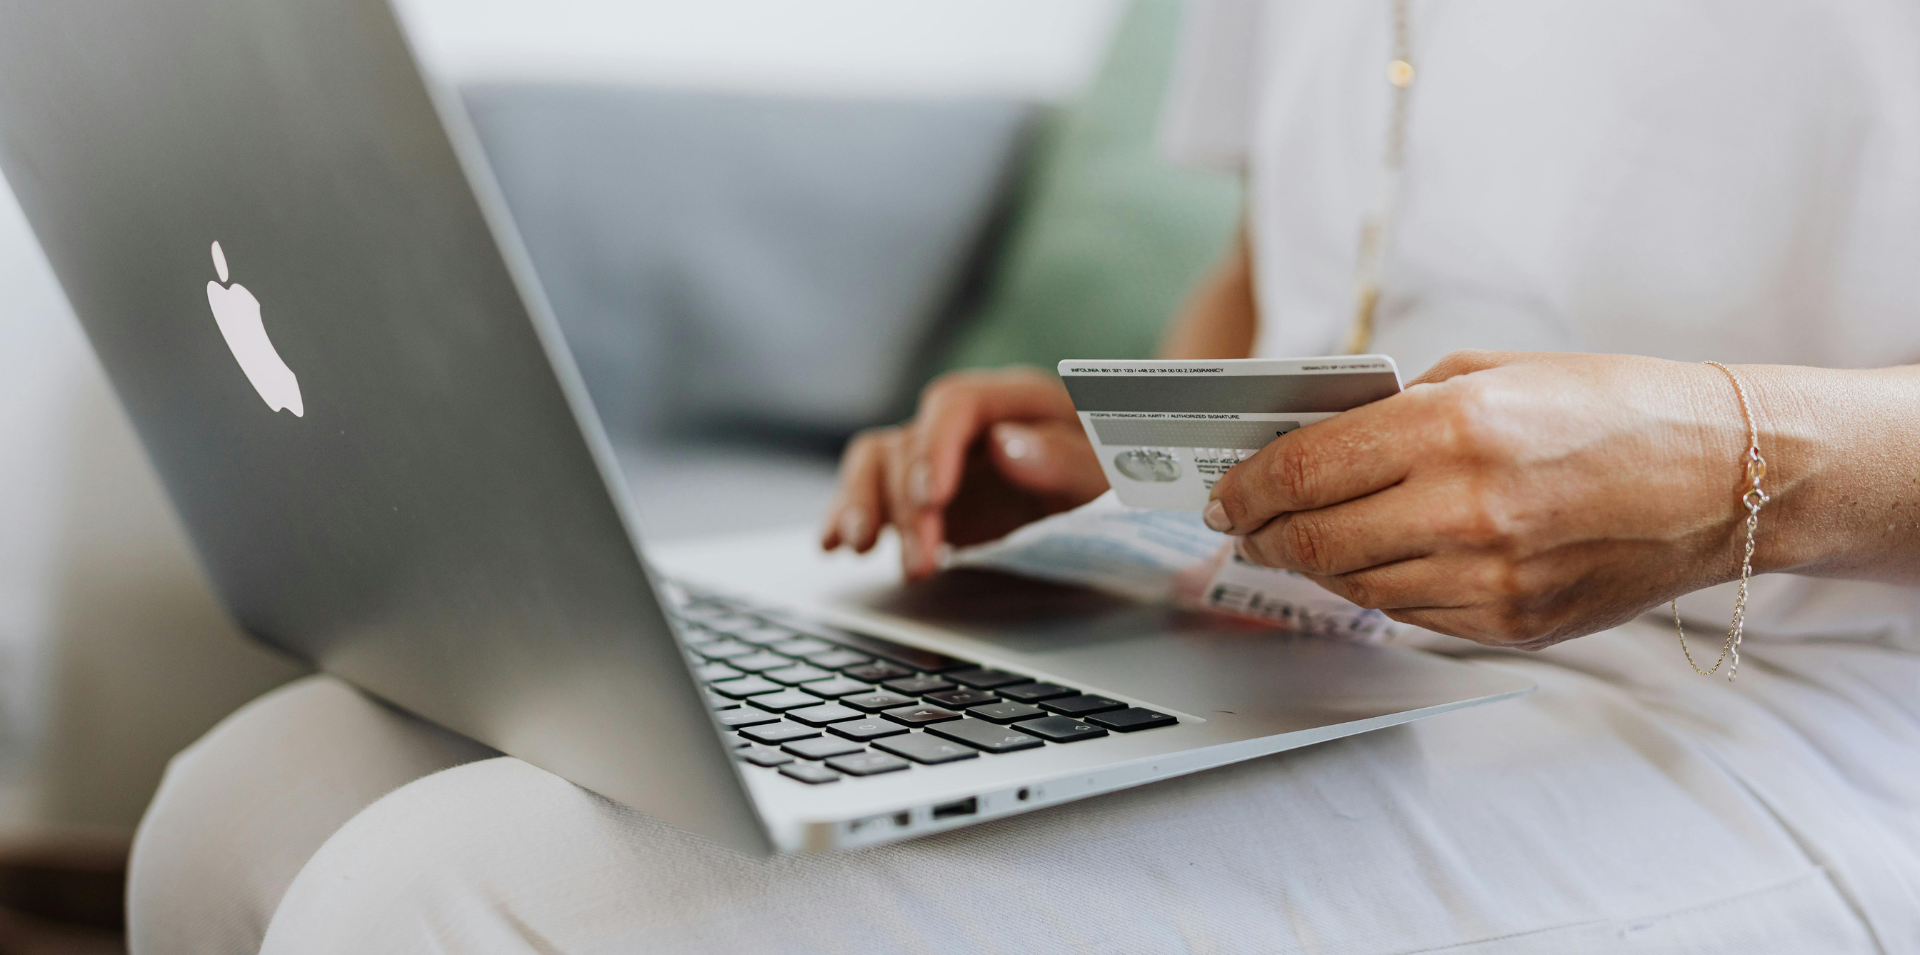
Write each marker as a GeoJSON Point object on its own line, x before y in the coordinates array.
{"type": "Point", "coordinates": [1109, 237]}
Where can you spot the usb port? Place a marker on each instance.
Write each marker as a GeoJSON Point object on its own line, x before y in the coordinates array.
{"type": "Point", "coordinates": [964, 807]}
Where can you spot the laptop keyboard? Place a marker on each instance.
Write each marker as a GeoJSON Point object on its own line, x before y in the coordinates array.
{"type": "Point", "coordinates": [818, 704]}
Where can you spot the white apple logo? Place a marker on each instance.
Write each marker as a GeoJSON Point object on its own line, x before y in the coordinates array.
{"type": "Point", "coordinates": [238, 314]}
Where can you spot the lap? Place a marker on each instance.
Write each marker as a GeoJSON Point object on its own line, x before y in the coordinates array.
{"type": "Point", "coordinates": [1582, 817]}
{"type": "Point", "coordinates": [243, 809]}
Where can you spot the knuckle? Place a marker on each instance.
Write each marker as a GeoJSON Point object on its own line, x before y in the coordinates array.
{"type": "Point", "coordinates": [1361, 591]}
{"type": "Point", "coordinates": [1303, 543]}
{"type": "Point", "coordinates": [1295, 472]}
{"type": "Point", "coordinates": [1485, 526]}
{"type": "Point", "coordinates": [1468, 418]}
{"type": "Point", "coordinates": [1463, 360]}
{"type": "Point", "coordinates": [1482, 519]}
{"type": "Point", "coordinates": [1509, 585]}
{"type": "Point", "coordinates": [1253, 549]}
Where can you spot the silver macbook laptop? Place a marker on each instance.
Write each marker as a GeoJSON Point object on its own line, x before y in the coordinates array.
{"type": "Point", "coordinates": [289, 255]}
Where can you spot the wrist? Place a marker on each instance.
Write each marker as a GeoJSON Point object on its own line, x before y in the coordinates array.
{"type": "Point", "coordinates": [1802, 418]}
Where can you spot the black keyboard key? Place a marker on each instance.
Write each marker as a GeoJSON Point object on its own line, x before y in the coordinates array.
{"type": "Point", "coordinates": [836, 686]}
{"type": "Point", "coordinates": [873, 727]}
{"type": "Point", "coordinates": [718, 702]}
{"type": "Point", "coordinates": [867, 764]}
{"type": "Point", "coordinates": [982, 679]}
{"type": "Point", "coordinates": [876, 701]}
{"type": "Point", "coordinates": [745, 716]}
{"type": "Point", "coordinates": [1081, 705]}
{"type": "Point", "coordinates": [917, 685]}
{"type": "Point", "coordinates": [809, 773]}
{"type": "Point", "coordinates": [962, 698]}
{"type": "Point", "coordinates": [745, 686]}
{"type": "Point", "coordinates": [837, 659]}
{"type": "Point", "coordinates": [823, 714]}
{"type": "Point", "coordinates": [876, 671]}
{"type": "Point", "coordinates": [1035, 692]}
{"type": "Point", "coordinates": [922, 748]}
{"type": "Point", "coordinates": [920, 715]}
{"type": "Point", "coordinates": [773, 734]}
{"type": "Point", "coordinates": [821, 747]}
{"type": "Point", "coordinates": [1006, 711]}
{"type": "Point", "coordinates": [755, 662]}
{"type": "Point", "coordinates": [711, 672]}
{"type": "Point", "coordinates": [801, 646]}
{"type": "Point", "coordinates": [797, 673]}
{"type": "Point", "coordinates": [1060, 729]}
{"type": "Point", "coordinates": [785, 700]}
{"type": "Point", "coordinates": [1132, 718]}
{"type": "Point", "coordinates": [979, 735]}
{"type": "Point", "coordinates": [924, 660]}
{"type": "Point", "coordinates": [762, 756]}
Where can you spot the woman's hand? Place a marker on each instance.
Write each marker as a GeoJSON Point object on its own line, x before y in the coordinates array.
{"type": "Point", "coordinates": [1509, 498]}
{"type": "Point", "coordinates": [987, 452]}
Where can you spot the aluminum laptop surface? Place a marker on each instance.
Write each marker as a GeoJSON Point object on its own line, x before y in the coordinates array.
{"type": "Point", "coordinates": [371, 429]}
{"type": "Point", "coordinates": [1237, 691]}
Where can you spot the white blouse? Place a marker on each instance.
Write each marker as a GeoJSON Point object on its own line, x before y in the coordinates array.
{"type": "Point", "coordinates": [1675, 178]}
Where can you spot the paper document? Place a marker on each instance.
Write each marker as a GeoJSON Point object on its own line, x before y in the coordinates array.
{"type": "Point", "coordinates": [1154, 555]}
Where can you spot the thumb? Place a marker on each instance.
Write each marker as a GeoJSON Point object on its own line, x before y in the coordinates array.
{"type": "Point", "coordinates": [1047, 457]}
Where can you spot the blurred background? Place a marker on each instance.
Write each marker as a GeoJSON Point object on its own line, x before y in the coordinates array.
{"type": "Point", "coordinates": [763, 224]}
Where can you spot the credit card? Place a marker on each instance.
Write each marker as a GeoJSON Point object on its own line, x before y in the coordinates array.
{"type": "Point", "coordinates": [1166, 430]}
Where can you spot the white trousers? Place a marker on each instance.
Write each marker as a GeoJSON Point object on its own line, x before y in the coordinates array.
{"type": "Point", "coordinates": [1627, 805]}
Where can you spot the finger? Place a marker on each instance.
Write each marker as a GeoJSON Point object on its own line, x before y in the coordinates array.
{"type": "Point", "coordinates": [1397, 523]}
{"type": "Point", "coordinates": [1461, 596]}
{"type": "Point", "coordinates": [858, 514]}
{"type": "Point", "coordinates": [1415, 584]}
{"type": "Point", "coordinates": [1469, 623]}
{"type": "Point", "coordinates": [957, 408]}
{"type": "Point", "coordinates": [903, 513]}
{"type": "Point", "coordinates": [1047, 457]}
{"type": "Point", "coordinates": [1452, 621]}
{"type": "Point", "coordinates": [1355, 453]}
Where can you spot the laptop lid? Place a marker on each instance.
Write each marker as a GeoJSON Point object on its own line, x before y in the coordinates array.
{"type": "Point", "coordinates": [356, 399]}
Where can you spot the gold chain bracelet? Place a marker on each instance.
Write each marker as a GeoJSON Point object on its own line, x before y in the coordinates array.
{"type": "Point", "coordinates": [1753, 500]}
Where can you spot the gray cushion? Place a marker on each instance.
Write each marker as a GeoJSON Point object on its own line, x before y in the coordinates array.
{"type": "Point", "coordinates": [747, 259]}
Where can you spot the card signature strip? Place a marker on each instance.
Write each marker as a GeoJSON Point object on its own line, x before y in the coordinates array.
{"type": "Point", "coordinates": [1241, 394]}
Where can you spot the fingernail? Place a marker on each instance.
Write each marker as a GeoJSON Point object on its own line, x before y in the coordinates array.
{"type": "Point", "coordinates": [919, 482]}
{"type": "Point", "coordinates": [1216, 517]}
{"type": "Point", "coordinates": [853, 528]}
{"type": "Point", "coordinates": [1017, 445]}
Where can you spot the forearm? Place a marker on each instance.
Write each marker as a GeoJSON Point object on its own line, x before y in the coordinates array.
{"type": "Point", "coordinates": [1219, 319]}
{"type": "Point", "coordinates": [1843, 453]}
